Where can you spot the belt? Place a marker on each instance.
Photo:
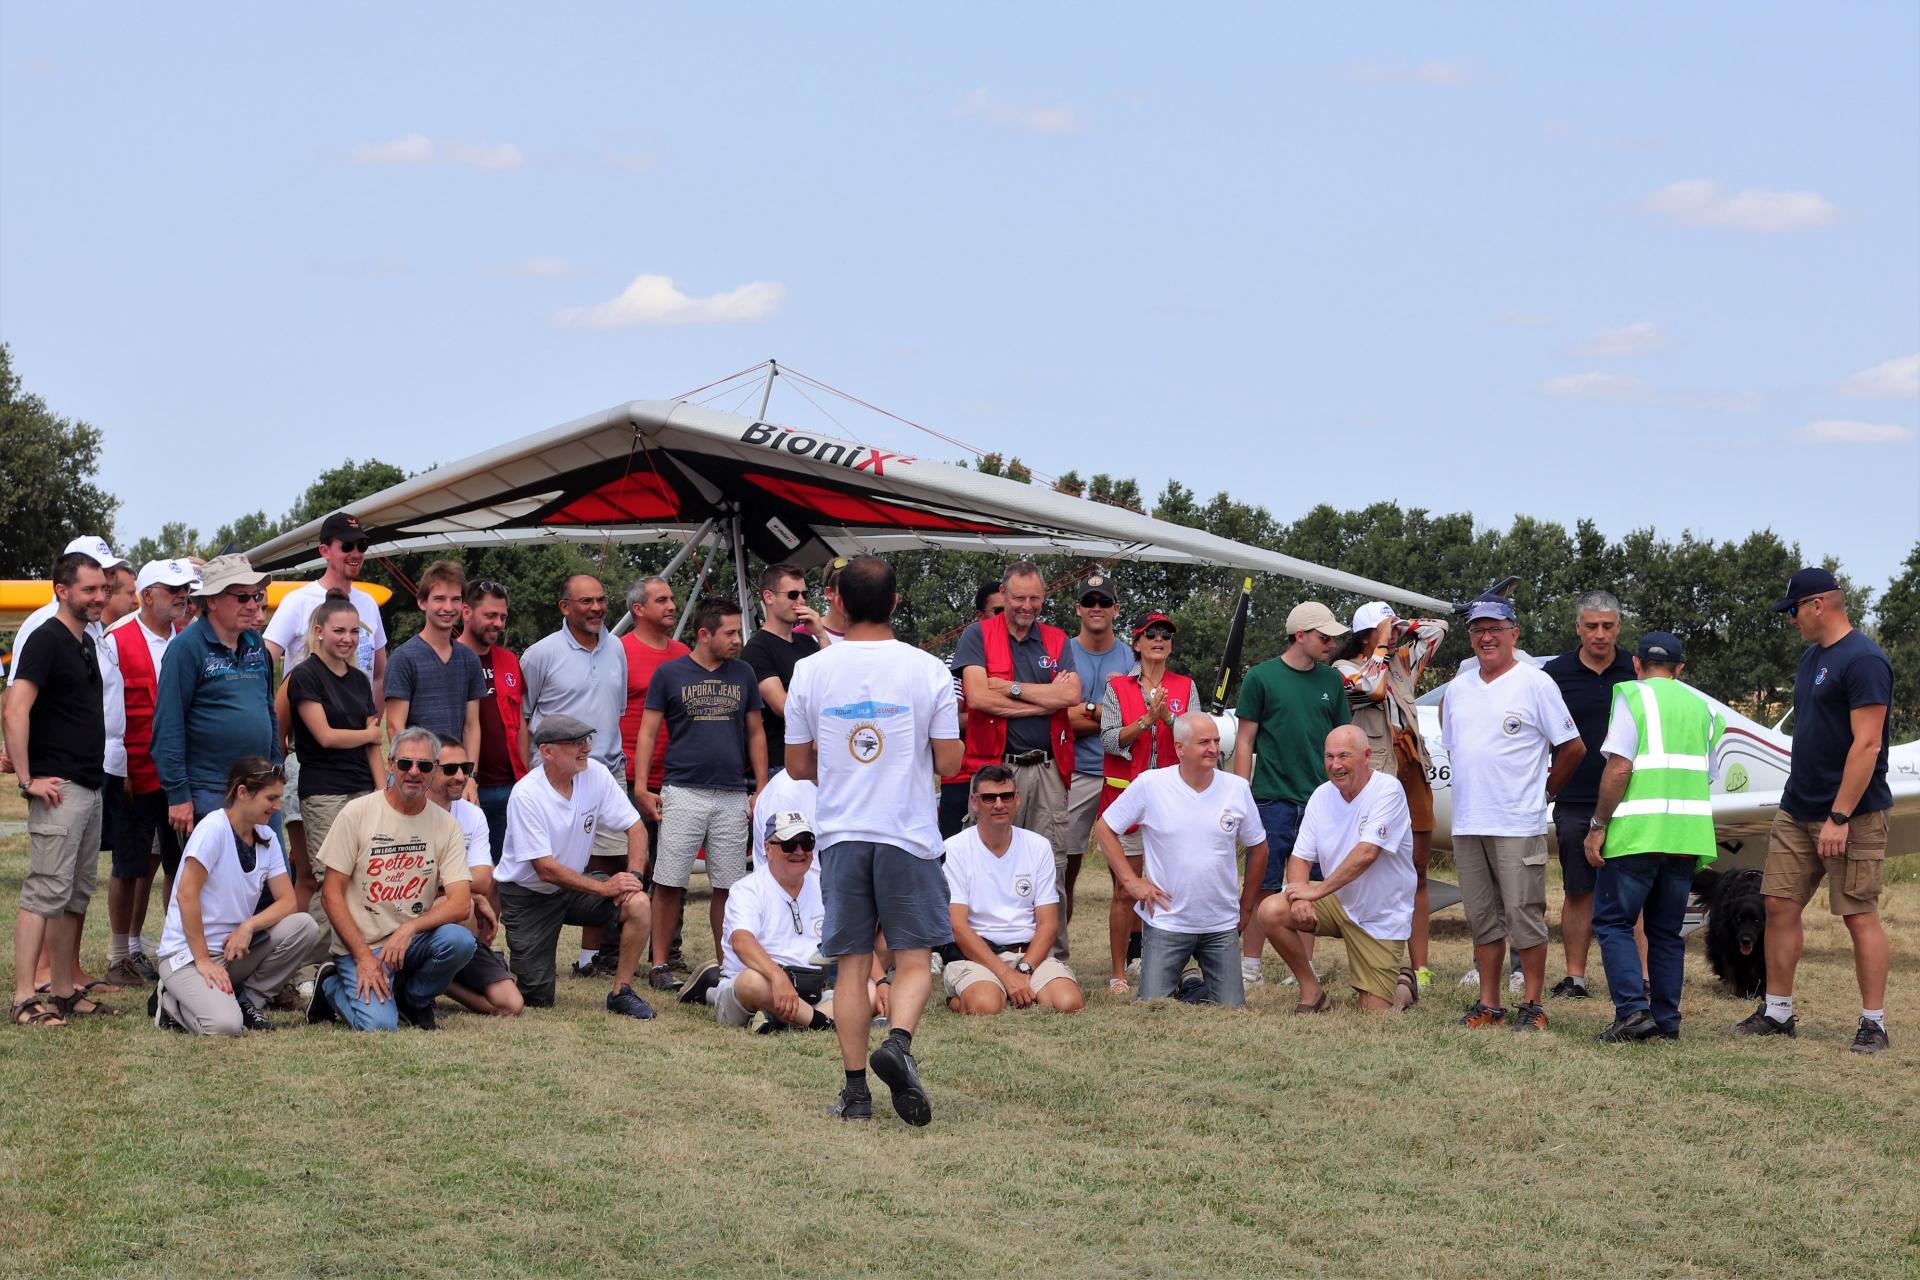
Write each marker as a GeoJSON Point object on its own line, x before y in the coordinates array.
{"type": "Point", "coordinates": [998, 947]}
{"type": "Point", "coordinates": [1037, 756]}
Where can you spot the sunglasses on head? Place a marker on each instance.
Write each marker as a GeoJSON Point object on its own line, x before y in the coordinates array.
{"type": "Point", "coordinates": [407, 764]}
{"type": "Point", "coordinates": [246, 597]}
{"type": "Point", "coordinates": [802, 841]}
{"type": "Point", "coordinates": [996, 797]}
{"type": "Point", "coordinates": [273, 773]}
{"type": "Point", "coordinates": [464, 769]}
{"type": "Point", "coordinates": [1156, 633]}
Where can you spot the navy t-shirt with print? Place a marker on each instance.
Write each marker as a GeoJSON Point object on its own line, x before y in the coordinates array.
{"type": "Point", "coordinates": [706, 713]}
{"type": "Point", "coordinates": [1030, 666]}
{"type": "Point", "coordinates": [1851, 672]}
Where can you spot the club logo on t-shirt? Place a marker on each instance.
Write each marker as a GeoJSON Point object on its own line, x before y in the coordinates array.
{"type": "Point", "coordinates": [1045, 663]}
{"type": "Point", "coordinates": [586, 824]}
{"type": "Point", "coordinates": [865, 743]}
{"type": "Point", "coordinates": [1023, 887]}
{"type": "Point", "coordinates": [1820, 676]}
{"type": "Point", "coordinates": [1381, 831]}
{"type": "Point", "coordinates": [1229, 821]}
{"type": "Point", "coordinates": [1510, 723]}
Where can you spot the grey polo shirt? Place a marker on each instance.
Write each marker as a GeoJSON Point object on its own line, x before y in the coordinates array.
{"type": "Point", "coordinates": [564, 678]}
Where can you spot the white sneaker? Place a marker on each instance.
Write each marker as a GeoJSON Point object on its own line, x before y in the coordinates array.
{"type": "Point", "coordinates": [936, 963]}
{"type": "Point", "coordinates": [1251, 974]}
{"type": "Point", "coordinates": [1471, 978]}
{"type": "Point", "coordinates": [1516, 981]}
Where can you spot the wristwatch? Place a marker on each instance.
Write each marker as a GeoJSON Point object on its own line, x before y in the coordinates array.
{"type": "Point", "coordinates": [1092, 708]}
{"type": "Point", "coordinates": [1594, 824]}
{"type": "Point", "coordinates": [1836, 817]}
{"type": "Point", "coordinates": [1014, 692]}
{"type": "Point", "coordinates": [26, 788]}
{"type": "Point", "coordinates": [1021, 966]}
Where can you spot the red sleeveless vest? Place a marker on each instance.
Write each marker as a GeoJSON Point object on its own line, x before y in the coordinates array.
{"type": "Point", "coordinates": [986, 735]}
{"type": "Point", "coordinates": [1121, 770]}
{"type": "Point", "coordinates": [142, 682]}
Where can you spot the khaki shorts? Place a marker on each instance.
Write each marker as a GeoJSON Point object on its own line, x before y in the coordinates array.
{"type": "Point", "coordinates": [1794, 865]}
{"type": "Point", "coordinates": [962, 974]}
{"type": "Point", "coordinates": [1083, 806]}
{"type": "Point", "coordinates": [1374, 963]}
{"type": "Point", "coordinates": [63, 865]}
{"type": "Point", "coordinates": [1503, 884]}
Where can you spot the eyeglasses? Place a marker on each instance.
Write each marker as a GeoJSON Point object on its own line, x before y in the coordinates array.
{"type": "Point", "coordinates": [793, 909]}
{"type": "Point", "coordinates": [1494, 630]}
{"type": "Point", "coordinates": [358, 544]}
{"type": "Point", "coordinates": [464, 769]}
{"type": "Point", "coordinates": [1156, 633]}
{"type": "Point", "coordinates": [996, 797]}
{"type": "Point", "coordinates": [802, 841]}
{"type": "Point", "coordinates": [1097, 602]}
{"type": "Point", "coordinates": [589, 601]}
{"type": "Point", "coordinates": [245, 597]}
{"type": "Point", "coordinates": [407, 764]}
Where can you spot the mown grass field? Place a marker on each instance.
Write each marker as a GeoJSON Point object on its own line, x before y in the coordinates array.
{"type": "Point", "coordinates": [1126, 1141]}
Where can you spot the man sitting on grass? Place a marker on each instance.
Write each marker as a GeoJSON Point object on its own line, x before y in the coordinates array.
{"type": "Point", "coordinates": [770, 940]}
{"type": "Point", "coordinates": [1005, 909]}
{"type": "Point", "coordinates": [1356, 826]}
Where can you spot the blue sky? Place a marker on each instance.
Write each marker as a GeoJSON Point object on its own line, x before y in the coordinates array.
{"type": "Point", "coordinates": [1649, 268]}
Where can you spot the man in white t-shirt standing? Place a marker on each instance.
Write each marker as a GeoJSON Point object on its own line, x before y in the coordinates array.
{"type": "Point", "coordinates": [1005, 909]}
{"type": "Point", "coordinates": [1502, 721]}
{"type": "Point", "coordinates": [873, 721]}
{"type": "Point", "coordinates": [343, 545]}
{"type": "Point", "coordinates": [1356, 826]}
{"type": "Point", "coordinates": [1192, 817]}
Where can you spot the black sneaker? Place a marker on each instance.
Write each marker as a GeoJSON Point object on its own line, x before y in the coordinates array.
{"type": "Point", "coordinates": [1870, 1038]}
{"type": "Point", "coordinates": [704, 981]}
{"type": "Point", "coordinates": [161, 1018]}
{"type": "Point", "coordinates": [1759, 1024]}
{"type": "Point", "coordinates": [144, 965]}
{"type": "Point", "coordinates": [772, 1026]}
{"type": "Point", "coordinates": [251, 1018]}
{"type": "Point", "coordinates": [418, 1016]}
{"type": "Point", "coordinates": [625, 1001]}
{"type": "Point", "coordinates": [1571, 988]}
{"type": "Point", "coordinates": [897, 1069]}
{"type": "Point", "coordinates": [852, 1106]}
{"type": "Point", "coordinates": [1631, 1029]}
{"type": "Point", "coordinates": [662, 979]}
{"type": "Point", "coordinates": [320, 1009]}
{"type": "Point", "coordinates": [1529, 1017]}
{"type": "Point", "coordinates": [606, 962]}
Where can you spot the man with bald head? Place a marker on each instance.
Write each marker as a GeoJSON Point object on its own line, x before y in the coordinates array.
{"type": "Point", "coordinates": [1356, 826]}
{"type": "Point", "coordinates": [1192, 818]}
{"type": "Point", "coordinates": [580, 671]}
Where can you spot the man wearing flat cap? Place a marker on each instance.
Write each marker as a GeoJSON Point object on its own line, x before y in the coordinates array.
{"type": "Point", "coordinates": [543, 880]}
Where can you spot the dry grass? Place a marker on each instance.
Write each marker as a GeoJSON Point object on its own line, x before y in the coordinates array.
{"type": "Point", "coordinates": [1126, 1141]}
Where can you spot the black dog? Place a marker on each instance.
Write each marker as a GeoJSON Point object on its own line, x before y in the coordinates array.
{"type": "Point", "coordinates": [1736, 928]}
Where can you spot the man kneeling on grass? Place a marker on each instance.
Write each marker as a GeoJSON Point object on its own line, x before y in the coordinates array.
{"type": "Point", "coordinates": [397, 940]}
{"type": "Point", "coordinates": [1006, 910]}
{"type": "Point", "coordinates": [542, 878]}
{"type": "Point", "coordinates": [485, 985]}
{"type": "Point", "coordinates": [770, 940]}
{"type": "Point", "coordinates": [1356, 826]}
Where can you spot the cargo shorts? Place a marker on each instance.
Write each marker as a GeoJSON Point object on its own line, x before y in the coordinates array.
{"type": "Point", "coordinates": [1794, 866]}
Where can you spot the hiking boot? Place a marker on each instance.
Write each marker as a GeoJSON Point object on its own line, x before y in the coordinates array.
{"type": "Point", "coordinates": [1631, 1029]}
{"type": "Point", "coordinates": [1480, 1016]}
{"type": "Point", "coordinates": [320, 1009]}
{"type": "Point", "coordinates": [704, 981]}
{"type": "Point", "coordinates": [626, 1002]}
{"type": "Point", "coordinates": [125, 973]}
{"type": "Point", "coordinates": [1759, 1024]}
{"type": "Point", "coordinates": [1870, 1038]}
{"type": "Point", "coordinates": [1571, 988]}
{"type": "Point", "coordinates": [1529, 1017]}
{"type": "Point", "coordinates": [851, 1105]}
{"type": "Point", "coordinates": [418, 1016]}
{"type": "Point", "coordinates": [144, 965]}
{"type": "Point", "coordinates": [661, 978]}
{"type": "Point", "coordinates": [251, 1018]}
{"type": "Point", "coordinates": [900, 1073]}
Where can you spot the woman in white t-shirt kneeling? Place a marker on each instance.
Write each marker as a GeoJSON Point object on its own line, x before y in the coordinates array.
{"type": "Point", "coordinates": [222, 955]}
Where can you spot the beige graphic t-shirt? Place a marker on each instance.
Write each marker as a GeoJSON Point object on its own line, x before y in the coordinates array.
{"type": "Point", "coordinates": [396, 863]}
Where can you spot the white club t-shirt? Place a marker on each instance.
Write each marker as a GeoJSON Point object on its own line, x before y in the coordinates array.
{"type": "Point", "coordinates": [787, 928]}
{"type": "Point", "coordinates": [231, 894]}
{"type": "Point", "coordinates": [288, 625]}
{"type": "Point", "coordinates": [1380, 901]}
{"type": "Point", "coordinates": [1192, 841]}
{"type": "Point", "coordinates": [1001, 891]}
{"type": "Point", "coordinates": [783, 793]}
{"type": "Point", "coordinates": [542, 823]}
{"type": "Point", "coordinates": [870, 707]}
{"type": "Point", "coordinates": [473, 825]}
{"type": "Point", "coordinates": [1500, 739]}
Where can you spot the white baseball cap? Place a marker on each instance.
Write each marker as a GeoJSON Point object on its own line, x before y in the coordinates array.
{"type": "Point", "coordinates": [1369, 616]}
{"type": "Point", "coordinates": [96, 546]}
{"type": "Point", "coordinates": [166, 573]}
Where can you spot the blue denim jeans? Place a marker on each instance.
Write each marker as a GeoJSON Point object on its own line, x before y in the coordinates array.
{"type": "Point", "coordinates": [1657, 885]}
{"type": "Point", "coordinates": [493, 803]}
{"type": "Point", "coordinates": [1163, 954]}
{"type": "Point", "coordinates": [433, 958]}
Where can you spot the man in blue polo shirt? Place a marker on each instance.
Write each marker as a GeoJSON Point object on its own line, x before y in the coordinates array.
{"type": "Point", "coordinates": [1586, 677]}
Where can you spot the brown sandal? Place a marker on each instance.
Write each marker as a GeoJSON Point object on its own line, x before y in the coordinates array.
{"type": "Point", "coordinates": [69, 1007]}
{"type": "Point", "coordinates": [1322, 1005]}
{"type": "Point", "coordinates": [34, 1011]}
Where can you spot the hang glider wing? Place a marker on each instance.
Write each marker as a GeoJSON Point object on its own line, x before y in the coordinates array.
{"type": "Point", "coordinates": [654, 469]}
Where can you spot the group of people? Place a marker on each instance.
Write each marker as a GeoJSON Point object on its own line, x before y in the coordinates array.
{"type": "Point", "coordinates": [355, 829]}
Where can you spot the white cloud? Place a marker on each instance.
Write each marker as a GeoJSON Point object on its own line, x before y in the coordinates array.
{"type": "Point", "coordinates": [1702, 202]}
{"type": "Point", "coordinates": [1895, 379]}
{"type": "Point", "coordinates": [655, 300]}
{"type": "Point", "coordinates": [1434, 71]}
{"type": "Point", "coordinates": [545, 269]}
{"type": "Point", "coordinates": [1592, 386]}
{"type": "Point", "coordinates": [1841, 431]}
{"type": "Point", "coordinates": [1636, 339]}
{"type": "Point", "coordinates": [981, 104]}
{"type": "Point", "coordinates": [418, 148]}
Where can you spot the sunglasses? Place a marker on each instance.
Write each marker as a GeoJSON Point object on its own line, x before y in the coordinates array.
{"type": "Point", "coordinates": [254, 781]}
{"type": "Point", "coordinates": [793, 595]}
{"type": "Point", "coordinates": [464, 769]}
{"type": "Point", "coordinates": [997, 610]}
{"type": "Point", "coordinates": [1793, 610]}
{"type": "Point", "coordinates": [358, 544]}
{"type": "Point", "coordinates": [1156, 633]}
{"type": "Point", "coordinates": [996, 797]}
{"type": "Point", "coordinates": [245, 597]}
{"type": "Point", "coordinates": [802, 841]}
{"type": "Point", "coordinates": [407, 764]}
{"type": "Point", "coordinates": [1097, 602]}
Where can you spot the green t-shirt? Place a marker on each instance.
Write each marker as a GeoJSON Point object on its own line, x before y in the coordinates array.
{"type": "Point", "coordinates": [1295, 711]}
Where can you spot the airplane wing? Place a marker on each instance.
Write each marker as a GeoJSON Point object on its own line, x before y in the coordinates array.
{"type": "Point", "coordinates": [1741, 821]}
{"type": "Point", "coordinates": [649, 469]}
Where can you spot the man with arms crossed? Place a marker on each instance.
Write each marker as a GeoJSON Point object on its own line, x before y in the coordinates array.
{"type": "Point", "coordinates": [873, 721]}
{"type": "Point", "coordinates": [1192, 817]}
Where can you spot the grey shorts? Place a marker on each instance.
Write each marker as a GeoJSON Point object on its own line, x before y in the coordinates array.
{"type": "Point", "coordinates": [1503, 885]}
{"type": "Point", "coordinates": [692, 818]}
{"type": "Point", "coordinates": [64, 863]}
{"type": "Point", "coordinates": [1083, 806]}
{"type": "Point", "coordinates": [486, 968]}
{"type": "Point", "coordinates": [868, 886]}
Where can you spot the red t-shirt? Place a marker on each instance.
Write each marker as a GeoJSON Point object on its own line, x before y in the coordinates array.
{"type": "Point", "coordinates": [642, 661]}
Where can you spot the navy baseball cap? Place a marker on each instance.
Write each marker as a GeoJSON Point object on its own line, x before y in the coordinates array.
{"type": "Point", "coordinates": [1491, 607]}
{"type": "Point", "coordinates": [1807, 582]}
{"type": "Point", "coordinates": [1659, 646]}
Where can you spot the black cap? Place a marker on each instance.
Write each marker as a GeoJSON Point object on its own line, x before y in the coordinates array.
{"type": "Point", "coordinates": [1807, 582]}
{"type": "Point", "coordinates": [341, 527]}
{"type": "Point", "coordinates": [1660, 646]}
{"type": "Point", "coordinates": [1098, 584]}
